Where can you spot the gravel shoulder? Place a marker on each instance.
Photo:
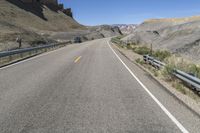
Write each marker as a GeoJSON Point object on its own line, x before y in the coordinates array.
{"type": "Point", "coordinates": [192, 104]}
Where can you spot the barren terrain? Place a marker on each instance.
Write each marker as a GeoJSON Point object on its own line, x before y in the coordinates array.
{"type": "Point", "coordinates": [180, 36]}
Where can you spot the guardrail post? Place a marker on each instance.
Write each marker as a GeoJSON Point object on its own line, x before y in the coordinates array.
{"type": "Point", "coordinates": [10, 57]}
{"type": "Point", "coordinates": [21, 55]}
{"type": "Point", "coordinates": [29, 53]}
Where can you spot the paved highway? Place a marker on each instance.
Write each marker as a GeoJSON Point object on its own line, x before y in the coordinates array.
{"type": "Point", "coordinates": [87, 88]}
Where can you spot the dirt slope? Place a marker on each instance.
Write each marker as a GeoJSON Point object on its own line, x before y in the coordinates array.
{"type": "Point", "coordinates": [34, 23]}
{"type": "Point", "coordinates": [181, 36]}
{"type": "Point", "coordinates": [38, 24]}
{"type": "Point", "coordinates": [35, 16]}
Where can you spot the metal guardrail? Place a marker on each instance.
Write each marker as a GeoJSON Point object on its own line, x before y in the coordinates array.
{"type": "Point", "coordinates": [7, 57]}
{"type": "Point", "coordinates": [24, 50]}
{"type": "Point", "coordinates": [191, 80]}
{"type": "Point", "coordinates": [154, 62]}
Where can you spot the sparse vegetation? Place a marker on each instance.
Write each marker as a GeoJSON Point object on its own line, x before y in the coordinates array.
{"type": "Point", "coordinates": [37, 42]}
{"type": "Point", "coordinates": [184, 65]}
{"type": "Point", "coordinates": [143, 50]}
{"type": "Point", "coordinates": [192, 68]}
{"type": "Point", "coordinates": [172, 61]}
{"type": "Point", "coordinates": [179, 87]}
{"type": "Point", "coordinates": [155, 72]}
{"type": "Point", "coordinates": [139, 61]}
{"type": "Point", "coordinates": [167, 72]}
{"type": "Point", "coordinates": [116, 40]}
{"type": "Point", "coordinates": [161, 55]}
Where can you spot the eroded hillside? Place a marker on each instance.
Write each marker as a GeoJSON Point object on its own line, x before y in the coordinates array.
{"type": "Point", "coordinates": [38, 24]}
{"type": "Point", "coordinates": [180, 36]}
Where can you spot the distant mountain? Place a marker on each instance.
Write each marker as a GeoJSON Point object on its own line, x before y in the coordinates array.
{"type": "Point", "coordinates": [92, 32]}
{"type": "Point", "coordinates": [126, 28]}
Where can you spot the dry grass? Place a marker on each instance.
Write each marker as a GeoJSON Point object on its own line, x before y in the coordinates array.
{"type": "Point", "coordinates": [166, 73]}
{"type": "Point", "coordinates": [184, 65]}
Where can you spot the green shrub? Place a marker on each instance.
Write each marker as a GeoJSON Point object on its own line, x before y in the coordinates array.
{"type": "Point", "coordinates": [139, 61]}
{"type": "Point", "coordinates": [129, 46]}
{"type": "Point", "coordinates": [155, 73]}
{"type": "Point", "coordinates": [141, 50]}
{"type": "Point", "coordinates": [167, 72]}
{"type": "Point", "coordinates": [184, 65]}
{"type": "Point", "coordinates": [116, 40]}
{"type": "Point", "coordinates": [38, 42]}
{"type": "Point", "coordinates": [179, 87]}
{"type": "Point", "coordinates": [169, 69]}
{"type": "Point", "coordinates": [161, 55]}
{"type": "Point", "coordinates": [192, 68]}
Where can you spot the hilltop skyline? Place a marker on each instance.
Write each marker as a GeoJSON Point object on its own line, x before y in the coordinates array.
{"type": "Point", "coordinates": [128, 11]}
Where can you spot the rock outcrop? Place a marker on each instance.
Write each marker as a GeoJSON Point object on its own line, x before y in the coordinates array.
{"type": "Point", "coordinates": [53, 4]}
{"type": "Point", "coordinates": [126, 28]}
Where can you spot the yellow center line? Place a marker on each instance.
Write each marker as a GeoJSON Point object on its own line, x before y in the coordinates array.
{"type": "Point", "coordinates": [77, 59]}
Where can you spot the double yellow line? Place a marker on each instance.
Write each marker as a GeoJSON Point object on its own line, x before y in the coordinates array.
{"type": "Point", "coordinates": [77, 59]}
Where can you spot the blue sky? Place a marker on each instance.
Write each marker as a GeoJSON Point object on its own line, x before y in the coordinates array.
{"type": "Point", "coordinates": [96, 12]}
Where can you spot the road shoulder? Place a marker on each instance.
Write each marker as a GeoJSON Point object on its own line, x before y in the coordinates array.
{"type": "Point", "coordinates": [190, 103]}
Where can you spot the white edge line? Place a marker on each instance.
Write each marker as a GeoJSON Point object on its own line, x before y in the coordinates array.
{"type": "Point", "coordinates": [31, 58]}
{"type": "Point", "coordinates": [178, 124]}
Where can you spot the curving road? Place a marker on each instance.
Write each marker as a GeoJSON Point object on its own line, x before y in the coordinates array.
{"type": "Point", "coordinates": [86, 88]}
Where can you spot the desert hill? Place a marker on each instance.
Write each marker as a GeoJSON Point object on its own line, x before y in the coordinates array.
{"type": "Point", "coordinates": [180, 36]}
{"type": "Point", "coordinates": [126, 28]}
{"type": "Point", "coordinates": [38, 24]}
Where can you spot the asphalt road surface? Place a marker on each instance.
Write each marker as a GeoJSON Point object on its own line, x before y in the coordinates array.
{"type": "Point", "coordinates": [87, 88]}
